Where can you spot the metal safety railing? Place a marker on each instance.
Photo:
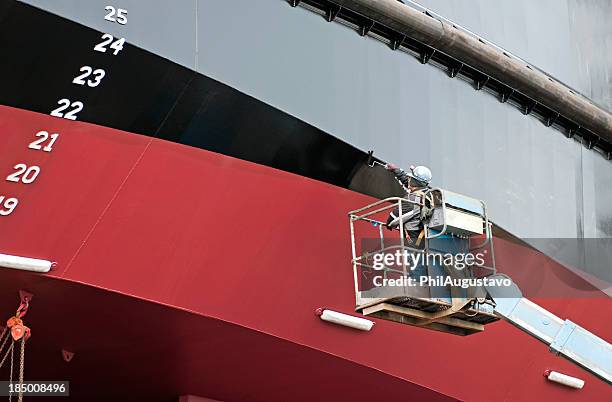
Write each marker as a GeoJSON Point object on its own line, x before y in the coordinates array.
{"type": "Point", "coordinates": [375, 214]}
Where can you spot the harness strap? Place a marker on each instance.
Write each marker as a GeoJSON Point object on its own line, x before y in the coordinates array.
{"type": "Point", "coordinates": [421, 235]}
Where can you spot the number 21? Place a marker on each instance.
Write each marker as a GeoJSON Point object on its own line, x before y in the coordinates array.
{"type": "Point", "coordinates": [43, 136]}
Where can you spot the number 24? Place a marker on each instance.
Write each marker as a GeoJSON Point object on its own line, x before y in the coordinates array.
{"type": "Point", "coordinates": [117, 45]}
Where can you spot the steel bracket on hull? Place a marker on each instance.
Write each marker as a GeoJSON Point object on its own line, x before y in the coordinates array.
{"type": "Point", "coordinates": [426, 55]}
{"type": "Point", "coordinates": [506, 95]}
{"type": "Point", "coordinates": [25, 296]}
{"type": "Point", "coordinates": [366, 27]}
{"type": "Point", "coordinates": [572, 130]}
{"type": "Point", "coordinates": [528, 108]}
{"type": "Point", "coordinates": [67, 355]}
{"type": "Point", "coordinates": [455, 69]}
{"type": "Point", "coordinates": [397, 42]}
{"type": "Point", "coordinates": [590, 144]}
{"type": "Point", "coordinates": [332, 12]}
{"type": "Point", "coordinates": [590, 140]}
{"type": "Point", "coordinates": [480, 83]}
{"type": "Point", "coordinates": [550, 120]}
{"type": "Point", "coordinates": [294, 3]}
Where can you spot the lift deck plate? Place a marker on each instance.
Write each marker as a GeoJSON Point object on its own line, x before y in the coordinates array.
{"type": "Point", "coordinates": [428, 313]}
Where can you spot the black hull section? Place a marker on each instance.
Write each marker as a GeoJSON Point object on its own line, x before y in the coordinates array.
{"type": "Point", "coordinates": [147, 94]}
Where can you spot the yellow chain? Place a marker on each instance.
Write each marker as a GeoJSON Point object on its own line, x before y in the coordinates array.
{"type": "Point", "coordinates": [4, 332]}
{"type": "Point", "coordinates": [21, 369]}
{"type": "Point", "coordinates": [11, 375]}
{"type": "Point", "coordinates": [6, 355]}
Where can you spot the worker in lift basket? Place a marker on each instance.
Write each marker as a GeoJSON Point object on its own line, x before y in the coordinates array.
{"type": "Point", "coordinates": [416, 184]}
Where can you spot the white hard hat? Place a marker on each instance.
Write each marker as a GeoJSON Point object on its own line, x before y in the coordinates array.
{"type": "Point", "coordinates": [422, 174]}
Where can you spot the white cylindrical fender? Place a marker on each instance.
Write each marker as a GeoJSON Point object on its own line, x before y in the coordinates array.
{"type": "Point", "coordinates": [564, 379]}
{"type": "Point", "coordinates": [25, 264]}
{"type": "Point", "coordinates": [344, 319]}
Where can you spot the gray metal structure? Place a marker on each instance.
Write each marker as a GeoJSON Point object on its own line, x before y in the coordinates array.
{"type": "Point", "coordinates": [536, 182]}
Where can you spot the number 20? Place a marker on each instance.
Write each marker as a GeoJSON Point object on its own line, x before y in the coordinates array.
{"type": "Point", "coordinates": [28, 174]}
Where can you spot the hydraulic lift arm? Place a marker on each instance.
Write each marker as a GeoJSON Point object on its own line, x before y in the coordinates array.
{"type": "Point", "coordinates": [563, 336]}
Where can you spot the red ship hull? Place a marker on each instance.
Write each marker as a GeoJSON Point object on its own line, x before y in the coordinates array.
{"type": "Point", "coordinates": [182, 271]}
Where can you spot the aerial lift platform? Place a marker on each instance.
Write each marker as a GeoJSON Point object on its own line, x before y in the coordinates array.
{"type": "Point", "coordinates": [400, 289]}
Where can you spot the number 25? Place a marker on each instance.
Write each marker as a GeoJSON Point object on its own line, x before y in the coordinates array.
{"type": "Point", "coordinates": [120, 12]}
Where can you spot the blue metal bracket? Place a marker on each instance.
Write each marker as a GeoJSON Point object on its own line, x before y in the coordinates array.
{"type": "Point", "coordinates": [562, 336]}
